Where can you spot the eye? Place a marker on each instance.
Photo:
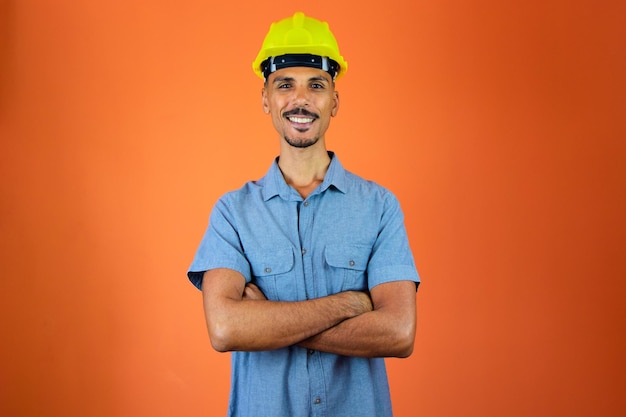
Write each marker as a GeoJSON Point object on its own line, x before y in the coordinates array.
{"type": "Point", "coordinates": [317, 85]}
{"type": "Point", "coordinates": [284, 85]}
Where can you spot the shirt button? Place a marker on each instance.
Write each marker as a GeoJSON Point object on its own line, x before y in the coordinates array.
{"type": "Point", "coordinates": [304, 251]}
{"type": "Point", "coordinates": [268, 270]}
{"type": "Point", "coordinates": [351, 263]}
{"type": "Point", "coordinates": [311, 351]}
{"type": "Point", "coordinates": [306, 204]}
{"type": "Point", "coordinates": [318, 400]}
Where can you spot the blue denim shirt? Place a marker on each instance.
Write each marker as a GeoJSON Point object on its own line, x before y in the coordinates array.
{"type": "Point", "coordinates": [348, 234]}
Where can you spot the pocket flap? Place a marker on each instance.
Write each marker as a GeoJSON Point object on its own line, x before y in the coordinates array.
{"type": "Point", "coordinates": [264, 263]}
{"type": "Point", "coordinates": [347, 256]}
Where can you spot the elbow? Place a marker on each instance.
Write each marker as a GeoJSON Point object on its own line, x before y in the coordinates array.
{"type": "Point", "coordinates": [404, 347]}
{"type": "Point", "coordinates": [405, 350]}
{"type": "Point", "coordinates": [221, 338]}
{"type": "Point", "coordinates": [222, 329]}
{"type": "Point", "coordinates": [219, 345]}
{"type": "Point", "coordinates": [405, 341]}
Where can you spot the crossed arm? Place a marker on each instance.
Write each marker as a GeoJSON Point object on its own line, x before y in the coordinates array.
{"type": "Point", "coordinates": [349, 323]}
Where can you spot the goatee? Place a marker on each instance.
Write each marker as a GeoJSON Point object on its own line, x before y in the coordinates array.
{"type": "Point", "coordinates": [301, 143]}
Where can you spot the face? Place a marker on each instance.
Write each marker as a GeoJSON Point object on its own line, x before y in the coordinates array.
{"type": "Point", "coordinates": [301, 102]}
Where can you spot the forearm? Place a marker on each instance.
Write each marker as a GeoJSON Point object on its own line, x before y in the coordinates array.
{"type": "Point", "coordinates": [367, 335]}
{"type": "Point", "coordinates": [236, 322]}
{"type": "Point", "coordinates": [387, 331]}
{"type": "Point", "coordinates": [267, 325]}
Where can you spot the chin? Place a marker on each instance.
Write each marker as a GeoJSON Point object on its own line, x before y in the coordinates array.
{"type": "Point", "coordinates": [300, 142]}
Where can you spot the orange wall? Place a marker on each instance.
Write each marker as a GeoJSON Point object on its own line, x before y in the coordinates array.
{"type": "Point", "coordinates": [499, 125]}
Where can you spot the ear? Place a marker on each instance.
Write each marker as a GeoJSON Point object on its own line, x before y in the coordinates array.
{"type": "Point", "coordinates": [265, 101]}
{"type": "Point", "coordinates": [335, 108]}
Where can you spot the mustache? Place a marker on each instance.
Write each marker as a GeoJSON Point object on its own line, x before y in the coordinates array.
{"type": "Point", "coordinates": [300, 111]}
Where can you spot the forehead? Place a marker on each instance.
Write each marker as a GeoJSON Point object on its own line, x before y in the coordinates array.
{"type": "Point", "coordinates": [300, 74]}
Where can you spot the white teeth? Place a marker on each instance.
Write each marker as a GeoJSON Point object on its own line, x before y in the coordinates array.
{"type": "Point", "coordinates": [301, 119]}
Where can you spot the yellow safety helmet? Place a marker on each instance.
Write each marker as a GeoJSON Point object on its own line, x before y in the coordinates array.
{"type": "Point", "coordinates": [299, 40]}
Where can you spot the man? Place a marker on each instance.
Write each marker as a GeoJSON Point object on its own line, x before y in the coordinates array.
{"type": "Point", "coordinates": [306, 274]}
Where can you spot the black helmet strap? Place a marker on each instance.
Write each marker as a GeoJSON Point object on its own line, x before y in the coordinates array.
{"type": "Point", "coordinates": [275, 63]}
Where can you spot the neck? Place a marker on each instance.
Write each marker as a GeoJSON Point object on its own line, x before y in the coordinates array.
{"type": "Point", "coordinates": [303, 170]}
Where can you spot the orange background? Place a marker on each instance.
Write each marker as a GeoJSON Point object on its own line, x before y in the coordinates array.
{"type": "Point", "coordinates": [498, 124]}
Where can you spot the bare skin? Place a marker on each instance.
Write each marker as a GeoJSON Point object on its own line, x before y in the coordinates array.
{"type": "Point", "coordinates": [308, 90]}
{"type": "Point", "coordinates": [301, 101]}
{"type": "Point", "coordinates": [240, 318]}
{"type": "Point", "coordinates": [387, 330]}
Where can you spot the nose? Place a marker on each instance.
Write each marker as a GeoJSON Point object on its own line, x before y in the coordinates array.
{"type": "Point", "coordinates": [301, 97]}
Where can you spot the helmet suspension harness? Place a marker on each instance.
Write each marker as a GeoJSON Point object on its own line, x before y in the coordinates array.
{"type": "Point", "coordinates": [299, 41]}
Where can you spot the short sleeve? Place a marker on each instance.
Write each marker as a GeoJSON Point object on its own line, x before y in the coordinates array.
{"type": "Point", "coordinates": [391, 259]}
{"type": "Point", "coordinates": [220, 247]}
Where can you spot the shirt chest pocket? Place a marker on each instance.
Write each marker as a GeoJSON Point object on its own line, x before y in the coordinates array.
{"type": "Point", "coordinates": [345, 267]}
{"type": "Point", "coordinates": [273, 273]}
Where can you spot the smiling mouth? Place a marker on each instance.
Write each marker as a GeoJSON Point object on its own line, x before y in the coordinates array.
{"type": "Point", "coordinates": [300, 116]}
{"type": "Point", "coordinates": [300, 120]}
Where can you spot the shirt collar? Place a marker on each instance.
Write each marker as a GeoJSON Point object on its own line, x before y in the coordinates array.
{"type": "Point", "coordinates": [274, 183]}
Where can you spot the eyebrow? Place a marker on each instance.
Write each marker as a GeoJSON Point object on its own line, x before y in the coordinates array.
{"type": "Point", "coordinates": [292, 79]}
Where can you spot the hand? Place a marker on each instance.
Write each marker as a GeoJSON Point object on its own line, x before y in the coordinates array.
{"type": "Point", "coordinates": [365, 302]}
{"type": "Point", "coordinates": [359, 302]}
{"type": "Point", "coordinates": [252, 292]}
